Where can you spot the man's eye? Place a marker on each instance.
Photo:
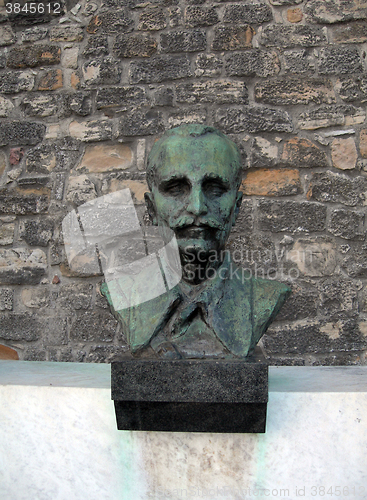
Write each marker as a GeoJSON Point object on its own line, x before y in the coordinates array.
{"type": "Point", "coordinates": [175, 189]}
{"type": "Point", "coordinates": [214, 189]}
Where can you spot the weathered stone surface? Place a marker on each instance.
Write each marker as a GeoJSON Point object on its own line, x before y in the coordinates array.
{"type": "Point", "coordinates": [298, 61]}
{"type": "Point", "coordinates": [46, 104]}
{"type": "Point", "coordinates": [6, 299]}
{"type": "Point", "coordinates": [35, 298]}
{"type": "Point", "coordinates": [16, 155]}
{"type": "Point", "coordinates": [216, 91]}
{"type": "Point", "coordinates": [105, 158]}
{"type": "Point", "coordinates": [263, 153]}
{"type": "Point", "coordinates": [21, 327]}
{"type": "Point", "coordinates": [34, 354]}
{"type": "Point", "coordinates": [7, 36]}
{"type": "Point", "coordinates": [363, 143]}
{"type": "Point", "coordinates": [245, 219]}
{"type": "Point", "coordinates": [111, 21]}
{"type": "Point", "coordinates": [6, 233]}
{"type": "Point", "coordinates": [254, 62]}
{"type": "Point", "coordinates": [285, 2]}
{"type": "Point", "coordinates": [69, 57]}
{"type": "Point", "coordinates": [183, 41]}
{"type": "Point", "coordinates": [294, 15]}
{"type": "Point", "coordinates": [284, 36]}
{"type": "Point", "coordinates": [21, 133]}
{"type": "Point", "coordinates": [301, 304]}
{"type": "Point", "coordinates": [137, 4]}
{"type": "Point", "coordinates": [329, 116]}
{"type": "Point", "coordinates": [6, 107]}
{"type": "Point", "coordinates": [200, 16]}
{"type": "Point", "coordinates": [292, 216]}
{"type": "Point", "coordinates": [109, 353]}
{"type": "Point", "coordinates": [248, 13]}
{"type": "Point", "coordinates": [300, 152]}
{"type": "Point", "coordinates": [123, 97]}
{"type": "Point", "coordinates": [352, 89]}
{"type": "Point", "coordinates": [141, 123]}
{"type": "Point", "coordinates": [105, 71]}
{"type": "Point", "coordinates": [344, 153]}
{"type": "Point", "coordinates": [80, 190]}
{"type": "Point", "coordinates": [232, 37]}
{"type": "Point", "coordinates": [339, 60]}
{"type": "Point", "coordinates": [24, 201]}
{"type": "Point", "coordinates": [284, 91]}
{"type": "Point", "coordinates": [97, 45]}
{"type": "Point", "coordinates": [337, 188]}
{"type": "Point", "coordinates": [50, 80]}
{"type": "Point", "coordinates": [175, 16]}
{"type": "Point", "coordinates": [81, 103]}
{"type": "Point", "coordinates": [349, 33]}
{"type": "Point", "coordinates": [34, 55]}
{"type": "Point", "coordinates": [186, 116]}
{"type": "Point", "coordinates": [135, 45]}
{"type": "Point", "coordinates": [20, 266]}
{"type": "Point", "coordinates": [72, 33]}
{"type": "Point", "coordinates": [3, 162]}
{"type": "Point", "coordinates": [208, 65]}
{"type": "Point", "coordinates": [163, 96]}
{"type": "Point", "coordinates": [76, 296]}
{"type": "Point", "coordinates": [36, 232]}
{"type": "Point", "coordinates": [41, 159]}
{"type": "Point", "coordinates": [93, 326]}
{"type": "Point", "coordinates": [347, 224]}
{"type": "Point", "coordinates": [34, 34]}
{"type": "Point", "coordinates": [93, 130]}
{"type": "Point", "coordinates": [335, 11]}
{"type": "Point", "coordinates": [152, 19]}
{"type": "Point", "coordinates": [255, 253]}
{"type": "Point", "coordinates": [16, 81]}
{"type": "Point", "coordinates": [314, 257]}
{"type": "Point", "coordinates": [355, 261]}
{"type": "Point", "coordinates": [253, 120]}
{"type": "Point", "coordinates": [160, 68]}
{"type": "Point", "coordinates": [273, 182]}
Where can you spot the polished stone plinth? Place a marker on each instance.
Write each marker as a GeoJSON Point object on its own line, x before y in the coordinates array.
{"type": "Point", "coordinates": [190, 395]}
{"type": "Point", "coordinates": [58, 440]}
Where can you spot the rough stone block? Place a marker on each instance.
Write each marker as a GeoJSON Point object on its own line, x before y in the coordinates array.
{"type": "Point", "coordinates": [329, 116]}
{"type": "Point", "coordinates": [50, 80]}
{"type": "Point", "coordinates": [34, 34]}
{"type": "Point", "coordinates": [21, 266]}
{"type": "Point", "coordinates": [355, 261]}
{"type": "Point", "coordinates": [355, 32]}
{"type": "Point", "coordinates": [196, 16]}
{"type": "Point", "coordinates": [45, 105]}
{"type": "Point", "coordinates": [254, 62]}
{"type": "Point", "coordinates": [302, 304]}
{"type": "Point", "coordinates": [298, 61]}
{"type": "Point", "coordinates": [93, 326]}
{"type": "Point", "coordinates": [135, 45]}
{"type": "Point", "coordinates": [108, 353]}
{"type": "Point", "coordinates": [12, 82]}
{"type": "Point", "coordinates": [344, 153]}
{"type": "Point", "coordinates": [6, 299]}
{"type": "Point", "coordinates": [253, 120]}
{"type": "Point", "coordinates": [75, 296]}
{"type": "Point", "coordinates": [314, 257]}
{"type": "Point", "coordinates": [163, 96]}
{"type": "Point", "coordinates": [69, 57]}
{"type": "Point", "coordinates": [34, 55]}
{"type": "Point", "coordinates": [21, 133]}
{"type": "Point", "coordinates": [300, 152]}
{"type": "Point", "coordinates": [7, 36]}
{"type": "Point", "coordinates": [337, 188]}
{"type": "Point", "coordinates": [183, 41]}
{"type": "Point", "coordinates": [62, 33]}
{"type": "Point", "coordinates": [352, 89]}
{"type": "Point", "coordinates": [186, 116]}
{"type": "Point", "coordinates": [248, 13]}
{"type": "Point", "coordinates": [216, 91]}
{"type": "Point", "coordinates": [175, 16]}
{"type": "Point", "coordinates": [24, 201]}
{"type": "Point", "coordinates": [292, 216]}
{"type": "Point", "coordinates": [80, 190]}
{"type": "Point", "coordinates": [208, 65]}
{"type": "Point", "coordinates": [285, 2]}
{"type": "Point", "coordinates": [20, 327]}
{"type": "Point", "coordinates": [96, 45]}
{"type": "Point", "coordinates": [6, 107]}
{"type": "Point", "coordinates": [285, 91]}
{"type": "Point", "coordinates": [36, 232]}
{"type": "Point", "coordinates": [90, 131]}
{"type": "Point", "coordinates": [41, 159]}
{"type": "Point", "coordinates": [276, 35]}
{"type": "Point", "coordinates": [335, 11]}
{"type": "Point", "coordinates": [245, 219]}
{"type": "Point", "coordinates": [104, 158]}
{"type": "Point", "coordinates": [141, 123]}
{"type": "Point", "coordinates": [273, 182]}
{"type": "Point", "coordinates": [81, 103]}
{"type": "Point", "coordinates": [102, 71]}
{"type": "Point", "coordinates": [123, 97]}
{"type": "Point", "coordinates": [339, 60]}
{"type": "Point", "coordinates": [263, 153]}
{"type": "Point", "coordinates": [294, 15]}
{"type": "Point", "coordinates": [160, 68]}
{"type": "Point", "coordinates": [152, 19]}
{"type": "Point", "coordinates": [232, 37]}
{"type": "Point", "coordinates": [7, 233]}
{"type": "Point", "coordinates": [347, 224]}
{"type": "Point", "coordinates": [363, 143]}
{"type": "Point", "coordinates": [111, 21]}
{"type": "Point", "coordinates": [35, 298]}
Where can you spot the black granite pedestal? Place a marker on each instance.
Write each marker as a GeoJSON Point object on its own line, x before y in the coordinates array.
{"type": "Point", "coordinates": [190, 395]}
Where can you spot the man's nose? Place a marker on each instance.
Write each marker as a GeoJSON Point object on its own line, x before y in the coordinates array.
{"type": "Point", "coordinates": [196, 203]}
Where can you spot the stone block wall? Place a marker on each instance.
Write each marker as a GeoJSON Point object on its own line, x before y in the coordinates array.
{"type": "Point", "coordinates": [87, 88]}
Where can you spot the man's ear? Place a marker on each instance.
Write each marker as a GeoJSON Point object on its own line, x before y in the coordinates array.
{"type": "Point", "coordinates": [149, 201]}
{"type": "Point", "coordinates": [237, 206]}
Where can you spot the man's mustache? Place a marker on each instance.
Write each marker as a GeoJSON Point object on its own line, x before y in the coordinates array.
{"type": "Point", "coordinates": [185, 222]}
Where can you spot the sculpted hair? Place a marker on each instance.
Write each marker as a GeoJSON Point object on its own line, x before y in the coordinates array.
{"type": "Point", "coordinates": [158, 151]}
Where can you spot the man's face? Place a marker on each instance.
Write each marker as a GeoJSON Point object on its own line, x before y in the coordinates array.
{"type": "Point", "coordinates": [195, 192]}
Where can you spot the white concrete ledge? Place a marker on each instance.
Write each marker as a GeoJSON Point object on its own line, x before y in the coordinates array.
{"type": "Point", "coordinates": [58, 441]}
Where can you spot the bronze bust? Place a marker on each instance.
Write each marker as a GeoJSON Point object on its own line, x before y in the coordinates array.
{"type": "Point", "coordinates": [216, 310]}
